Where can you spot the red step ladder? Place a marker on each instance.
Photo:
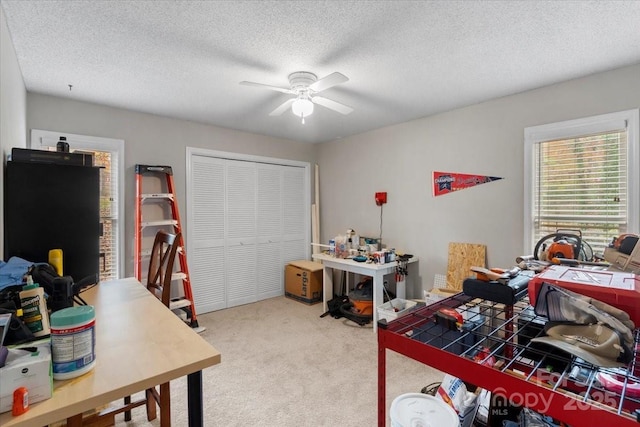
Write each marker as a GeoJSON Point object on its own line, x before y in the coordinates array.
{"type": "Point", "coordinates": [169, 222]}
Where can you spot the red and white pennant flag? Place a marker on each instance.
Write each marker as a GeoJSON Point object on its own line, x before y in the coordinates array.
{"type": "Point", "coordinates": [447, 182]}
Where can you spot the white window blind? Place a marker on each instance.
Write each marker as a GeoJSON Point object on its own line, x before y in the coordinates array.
{"type": "Point", "coordinates": [583, 174]}
{"type": "Point", "coordinates": [581, 184]}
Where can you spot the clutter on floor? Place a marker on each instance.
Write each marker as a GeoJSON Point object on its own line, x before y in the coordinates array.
{"type": "Point", "coordinates": [357, 306]}
{"type": "Point", "coordinates": [558, 325]}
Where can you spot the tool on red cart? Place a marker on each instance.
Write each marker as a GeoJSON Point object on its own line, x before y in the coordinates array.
{"type": "Point", "coordinates": [567, 244]}
{"type": "Point", "coordinates": [625, 243]}
{"type": "Point", "coordinates": [449, 318]}
{"type": "Point", "coordinates": [527, 262]}
{"type": "Point", "coordinates": [587, 328]}
{"type": "Point", "coordinates": [506, 290]}
{"type": "Point", "coordinates": [575, 262]}
{"type": "Point", "coordinates": [484, 357]}
{"type": "Point", "coordinates": [495, 274]}
{"type": "Point", "coordinates": [618, 381]}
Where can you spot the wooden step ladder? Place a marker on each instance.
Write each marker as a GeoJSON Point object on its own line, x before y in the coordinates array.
{"type": "Point", "coordinates": [169, 221]}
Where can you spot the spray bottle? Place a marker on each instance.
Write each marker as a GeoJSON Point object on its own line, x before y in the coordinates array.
{"type": "Point", "coordinates": [34, 308]}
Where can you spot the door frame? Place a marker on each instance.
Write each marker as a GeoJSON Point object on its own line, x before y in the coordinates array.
{"type": "Point", "coordinates": [192, 152]}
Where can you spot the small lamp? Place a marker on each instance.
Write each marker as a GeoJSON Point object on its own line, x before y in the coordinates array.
{"type": "Point", "coordinates": [302, 107]}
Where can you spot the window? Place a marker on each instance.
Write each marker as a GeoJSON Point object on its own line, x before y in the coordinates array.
{"type": "Point", "coordinates": [583, 175]}
{"type": "Point", "coordinates": [109, 155]}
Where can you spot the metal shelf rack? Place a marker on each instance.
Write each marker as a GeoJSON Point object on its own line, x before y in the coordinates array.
{"type": "Point", "coordinates": [493, 351]}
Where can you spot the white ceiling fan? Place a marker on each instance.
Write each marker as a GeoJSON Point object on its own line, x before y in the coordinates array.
{"type": "Point", "coordinates": [305, 86]}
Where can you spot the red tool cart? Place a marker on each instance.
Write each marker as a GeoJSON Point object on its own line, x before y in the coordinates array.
{"type": "Point", "coordinates": [527, 374]}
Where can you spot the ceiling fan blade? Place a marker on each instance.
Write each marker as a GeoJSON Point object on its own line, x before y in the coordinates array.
{"type": "Point", "coordinates": [283, 107]}
{"type": "Point", "coordinates": [332, 105]}
{"type": "Point", "coordinates": [276, 88]}
{"type": "Point", "coordinates": [328, 81]}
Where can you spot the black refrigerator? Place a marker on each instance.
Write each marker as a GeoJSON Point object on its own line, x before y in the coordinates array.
{"type": "Point", "coordinates": [53, 206]}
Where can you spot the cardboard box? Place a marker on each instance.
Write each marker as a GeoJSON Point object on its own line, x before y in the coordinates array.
{"type": "Point", "coordinates": [303, 281]}
{"type": "Point", "coordinates": [624, 262]}
{"type": "Point", "coordinates": [388, 309]}
{"type": "Point", "coordinates": [27, 369]}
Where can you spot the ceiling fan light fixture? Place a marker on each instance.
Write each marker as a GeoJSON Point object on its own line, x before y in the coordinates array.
{"type": "Point", "coordinates": [304, 86]}
{"type": "Point", "coordinates": [302, 107]}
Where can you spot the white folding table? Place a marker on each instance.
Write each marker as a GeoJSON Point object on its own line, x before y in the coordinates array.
{"type": "Point", "coordinates": [376, 271]}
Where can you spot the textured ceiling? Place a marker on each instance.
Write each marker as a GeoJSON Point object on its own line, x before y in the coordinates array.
{"type": "Point", "coordinates": [404, 59]}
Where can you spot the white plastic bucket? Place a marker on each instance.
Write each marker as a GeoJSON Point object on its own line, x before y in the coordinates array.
{"type": "Point", "coordinates": [422, 410]}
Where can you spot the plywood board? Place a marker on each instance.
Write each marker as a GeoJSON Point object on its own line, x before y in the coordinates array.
{"type": "Point", "coordinates": [462, 256]}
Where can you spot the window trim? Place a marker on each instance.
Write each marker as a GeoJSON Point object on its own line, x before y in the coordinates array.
{"type": "Point", "coordinates": [100, 144]}
{"type": "Point", "coordinates": [629, 119]}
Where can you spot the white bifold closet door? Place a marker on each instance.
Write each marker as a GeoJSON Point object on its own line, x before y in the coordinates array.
{"type": "Point", "coordinates": [247, 220]}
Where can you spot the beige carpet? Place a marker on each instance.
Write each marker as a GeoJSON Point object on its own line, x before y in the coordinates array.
{"type": "Point", "coordinates": [282, 365]}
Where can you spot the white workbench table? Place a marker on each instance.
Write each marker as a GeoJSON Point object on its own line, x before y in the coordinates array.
{"type": "Point", "coordinates": [376, 271]}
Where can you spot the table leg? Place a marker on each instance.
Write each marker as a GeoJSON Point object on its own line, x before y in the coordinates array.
{"type": "Point", "coordinates": [327, 287]}
{"type": "Point", "coordinates": [382, 385]}
{"type": "Point", "coordinates": [378, 283]}
{"type": "Point", "coordinates": [194, 390]}
{"type": "Point", "coordinates": [401, 288]}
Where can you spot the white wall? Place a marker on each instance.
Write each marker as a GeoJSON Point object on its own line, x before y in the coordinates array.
{"type": "Point", "coordinates": [13, 108]}
{"type": "Point", "coordinates": [153, 140]}
{"type": "Point", "coordinates": [484, 139]}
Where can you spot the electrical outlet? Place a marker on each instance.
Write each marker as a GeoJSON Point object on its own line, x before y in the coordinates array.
{"type": "Point", "coordinates": [381, 198]}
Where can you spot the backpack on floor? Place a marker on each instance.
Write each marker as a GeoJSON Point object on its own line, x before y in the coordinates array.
{"type": "Point", "coordinates": [333, 306]}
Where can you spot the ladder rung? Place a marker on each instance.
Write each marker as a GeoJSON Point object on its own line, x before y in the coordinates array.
{"type": "Point", "coordinates": [157, 223]}
{"type": "Point", "coordinates": [147, 252]}
{"type": "Point", "coordinates": [142, 169]}
{"type": "Point", "coordinates": [178, 276]}
{"type": "Point", "coordinates": [183, 315]}
{"type": "Point", "coordinates": [180, 303]}
{"type": "Point", "coordinates": [157, 196]}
